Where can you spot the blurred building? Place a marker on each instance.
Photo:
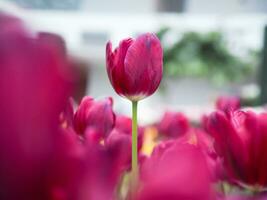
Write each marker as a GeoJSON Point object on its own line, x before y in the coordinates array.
{"type": "Point", "coordinates": [149, 6]}
{"type": "Point", "coordinates": [226, 6]}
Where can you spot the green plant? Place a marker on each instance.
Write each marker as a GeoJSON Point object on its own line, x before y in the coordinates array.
{"type": "Point", "coordinates": [204, 55]}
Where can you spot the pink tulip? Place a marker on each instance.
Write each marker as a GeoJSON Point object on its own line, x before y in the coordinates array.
{"type": "Point", "coordinates": [204, 142]}
{"type": "Point", "coordinates": [40, 157]}
{"type": "Point", "coordinates": [120, 144]}
{"type": "Point", "coordinates": [135, 67]}
{"type": "Point", "coordinates": [11, 26]}
{"type": "Point", "coordinates": [225, 103]}
{"type": "Point", "coordinates": [33, 93]}
{"type": "Point", "coordinates": [240, 139]}
{"type": "Point", "coordinates": [180, 172]}
{"type": "Point", "coordinates": [55, 41]}
{"type": "Point", "coordinates": [174, 124]}
{"type": "Point", "coordinates": [94, 114]}
{"type": "Point", "coordinates": [103, 168]}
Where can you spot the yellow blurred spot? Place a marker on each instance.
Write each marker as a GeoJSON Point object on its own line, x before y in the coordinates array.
{"type": "Point", "coordinates": [150, 136]}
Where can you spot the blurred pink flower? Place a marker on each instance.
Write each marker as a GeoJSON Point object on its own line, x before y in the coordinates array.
{"type": "Point", "coordinates": [33, 93]}
{"type": "Point", "coordinates": [204, 142]}
{"type": "Point", "coordinates": [225, 103]}
{"type": "Point", "coordinates": [177, 171]}
{"type": "Point", "coordinates": [103, 169]}
{"type": "Point", "coordinates": [121, 144]}
{"type": "Point", "coordinates": [11, 26]}
{"type": "Point", "coordinates": [94, 114]}
{"type": "Point", "coordinates": [41, 155]}
{"type": "Point", "coordinates": [173, 124]}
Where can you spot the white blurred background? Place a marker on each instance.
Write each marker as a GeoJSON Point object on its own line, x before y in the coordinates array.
{"type": "Point", "coordinates": [86, 26]}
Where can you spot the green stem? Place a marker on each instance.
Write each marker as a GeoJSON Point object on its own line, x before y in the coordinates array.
{"type": "Point", "coordinates": [134, 144]}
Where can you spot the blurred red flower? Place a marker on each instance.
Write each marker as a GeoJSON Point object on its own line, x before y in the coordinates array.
{"type": "Point", "coordinates": [226, 103]}
{"type": "Point", "coordinates": [94, 114]}
{"type": "Point", "coordinates": [33, 93]}
{"type": "Point", "coordinates": [41, 155]}
{"type": "Point", "coordinates": [175, 171]}
{"type": "Point", "coordinates": [173, 124]}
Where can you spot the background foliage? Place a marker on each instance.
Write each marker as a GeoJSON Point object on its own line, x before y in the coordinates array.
{"type": "Point", "coordinates": [205, 55]}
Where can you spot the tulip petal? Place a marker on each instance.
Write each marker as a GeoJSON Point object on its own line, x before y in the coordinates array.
{"type": "Point", "coordinates": [109, 58]}
{"type": "Point", "coordinates": [115, 64]}
{"type": "Point", "coordinates": [80, 117]}
{"type": "Point", "coordinates": [143, 65]}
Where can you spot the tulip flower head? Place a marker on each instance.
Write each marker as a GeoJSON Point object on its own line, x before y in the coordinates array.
{"type": "Point", "coordinates": [240, 139]}
{"type": "Point", "coordinates": [135, 67]}
{"type": "Point", "coordinates": [226, 103]}
{"type": "Point", "coordinates": [174, 124]}
{"type": "Point", "coordinates": [94, 114]}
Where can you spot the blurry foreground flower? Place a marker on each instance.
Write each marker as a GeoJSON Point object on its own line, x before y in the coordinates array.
{"type": "Point", "coordinates": [41, 155]}
{"type": "Point", "coordinates": [175, 171]}
{"type": "Point", "coordinates": [33, 93]}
